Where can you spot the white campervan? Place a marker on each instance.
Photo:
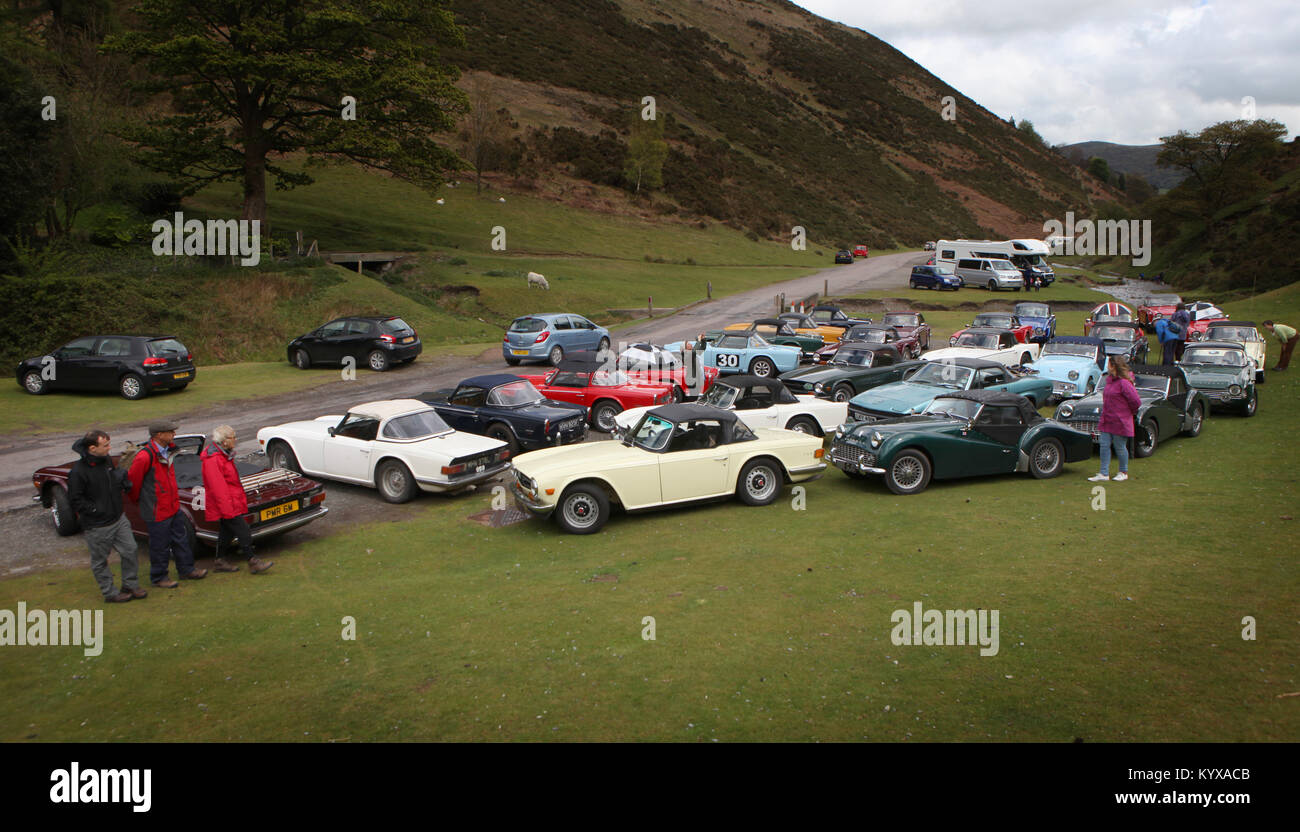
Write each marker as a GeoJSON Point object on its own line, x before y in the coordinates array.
{"type": "Point", "coordinates": [1030, 256]}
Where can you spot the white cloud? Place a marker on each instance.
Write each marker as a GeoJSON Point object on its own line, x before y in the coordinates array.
{"type": "Point", "coordinates": [1107, 70]}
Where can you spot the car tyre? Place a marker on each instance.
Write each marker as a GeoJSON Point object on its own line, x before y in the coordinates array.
{"type": "Point", "coordinates": [502, 433]}
{"type": "Point", "coordinates": [911, 284]}
{"type": "Point", "coordinates": [280, 455]}
{"type": "Point", "coordinates": [762, 367]}
{"type": "Point", "coordinates": [302, 359]}
{"type": "Point", "coordinates": [513, 362]}
{"type": "Point", "coordinates": [377, 360]}
{"type": "Point", "coordinates": [909, 473]}
{"type": "Point", "coordinates": [65, 519]}
{"type": "Point", "coordinates": [556, 355]}
{"type": "Point", "coordinates": [131, 386]}
{"type": "Point", "coordinates": [759, 482]}
{"type": "Point", "coordinates": [602, 416]}
{"type": "Point", "coordinates": [582, 509]}
{"type": "Point", "coordinates": [803, 424]}
{"type": "Point", "coordinates": [603, 345]}
{"type": "Point", "coordinates": [843, 392]}
{"type": "Point", "coordinates": [1046, 458]}
{"type": "Point", "coordinates": [394, 481]}
{"type": "Point", "coordinates": [1259, 377]}
{"type": "Point", "coordinates": [993, 286]}
{"type": "Point", "coordinates": [33, 383]}
{"type": "Point", "coordinates": [1146, 440]}
{"type": "Point", "coordinates": [1198, 420]}
{"type": "Point", "coordinates": [1251, 404]}
{"type": "Point", "coordinates": [679, 395]}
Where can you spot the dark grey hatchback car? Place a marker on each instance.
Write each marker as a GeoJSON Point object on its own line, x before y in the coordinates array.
{"type": "Point", "coordinates": [133, 365]}
{"type": "Point", "coordinates": [377, 342]}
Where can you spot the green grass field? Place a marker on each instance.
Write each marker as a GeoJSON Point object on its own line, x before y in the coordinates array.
{"type": "Point", "coordinates": [1116, 624]}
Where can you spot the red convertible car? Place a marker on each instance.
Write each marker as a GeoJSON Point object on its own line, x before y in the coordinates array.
{"type": "Point", "coordinates": [604, 392]}
{"type": "Point", "coordinates": [907, 345]}
{"type": "Point", "coordinates": [278, 499]}
{"type": "Point", "coordinates": [1108, 313]}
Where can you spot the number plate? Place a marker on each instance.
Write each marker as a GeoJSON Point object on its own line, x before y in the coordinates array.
{"type": "Point", "coordinates": [280, 510]}
{"type": "Point", "coordinates": [181, 375]}
{"type": "Point", "coordinates": [479, 469]}
{"type": "Point", "coordinates": [519, 352]}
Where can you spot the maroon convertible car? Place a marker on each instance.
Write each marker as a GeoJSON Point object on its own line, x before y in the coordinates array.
{"type": "Point", "coordinates": [278, 500]}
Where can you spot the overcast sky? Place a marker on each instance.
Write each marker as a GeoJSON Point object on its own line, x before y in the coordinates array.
{"type": "Point", "coordinates": [1110, 70]}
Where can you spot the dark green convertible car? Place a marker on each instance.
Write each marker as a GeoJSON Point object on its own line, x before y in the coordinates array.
{"type": "Point", "coordinates": [856, 366]}
{"type": "Point", "coordinates": [1169, 407]}
{"type": "Point", "coordinates": [969, 433]}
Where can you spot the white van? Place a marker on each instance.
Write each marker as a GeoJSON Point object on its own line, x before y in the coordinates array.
{"type": "Point", "coordinates": [1029, 256]}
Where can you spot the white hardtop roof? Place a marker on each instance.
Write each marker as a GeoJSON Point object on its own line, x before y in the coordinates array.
{"type": "Point", "coordinates": [389, 408]}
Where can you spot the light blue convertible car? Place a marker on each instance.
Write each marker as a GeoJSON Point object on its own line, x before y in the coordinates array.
{"type": "Point", "coordinates": [749, 353]}
{"type": "Point", "coordinates": [1074, 364]}
{"type": "Point", "coordinates": [937, 378]}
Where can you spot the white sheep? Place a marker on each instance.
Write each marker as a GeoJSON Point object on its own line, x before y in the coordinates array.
{"type": "Point", "coordinates": [502, 199]}
{"type": "Point", "coordinates": [442, 201]}
{"type": "Point", "coordinates": [535, 279]}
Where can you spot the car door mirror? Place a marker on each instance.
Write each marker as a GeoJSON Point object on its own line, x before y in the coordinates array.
{"type": "Point", "coordinates": [330, 431]}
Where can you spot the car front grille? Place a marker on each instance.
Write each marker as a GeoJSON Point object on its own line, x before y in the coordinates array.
{"type": "Point", "coordinates": [1088, 426]}
{"type": "Point", "coordinates": [843, 453]}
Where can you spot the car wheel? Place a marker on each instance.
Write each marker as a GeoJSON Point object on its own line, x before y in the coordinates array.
{"type": "Point", "coordinates": [65, 519]}
{"type": "Point", "coordinates": [1046, 458]}
{"type": "Point", "coordinates": [513, 362]}
{"type": "Point", "coordinates": [762, 367]}
{"type": "Point", "coordinates": [282, 456]}
{"type": "Point", "coordinates": [190, 537]}
{"type": "Point", "coordinates": [33, 383]}
{"type": "Point", "coordinates": [602, 416]}
{"type": "Point", "coordinates": [132, 387]}
{"type": "Point", "coordinates": [1198, 420]}
{"type": "Point", "coordinates": [583, 509]}
{"type": "Point", "coordinates": [556, 355]}
{"type": "Point", "coordinates": [803, 424]}
{"type": "Point", "coordinates": [911, 284]}
{"type": "Point", "coordinates": [1092, 386]}
{"type": "Point", "coordinates": [843, 392]}
{"type": "Point", "coordinates": [909, 473]}
{"type": "Point", "coordinates": [603, 345]}
{"type": "Point", "coordinates": [394, 480]}
{"type": "Point", "coordinates": [1259, 377]}
{"type": "Point", "coordinates": [301, 360]}
{"type": "Point", "coordinates": [679, 395]}
{"type": "Point", "coordinates": [993, 285]}
{"type": "Point", "coordinates": [1251, 404]}
{"type": "Point", "coordinates": [1144, 443]}
{"type": "Point", "coordinates": [378, 360]}
{"type": "Point", "coordinates": [181, 387]}
{"type": "Point", "coordinates": [759, 482]}
{"type": "Point", "coordinates": [503, 433]}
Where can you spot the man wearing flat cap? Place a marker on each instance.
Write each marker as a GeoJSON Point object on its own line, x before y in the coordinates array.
{"type": "Point", "coordinates": [154, 489]}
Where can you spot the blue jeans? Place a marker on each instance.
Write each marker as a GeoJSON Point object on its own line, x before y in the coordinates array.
{"type": "Point", "coordinates": [167, 539]}
{"type": "Point", "coordinates": [1121, 451]}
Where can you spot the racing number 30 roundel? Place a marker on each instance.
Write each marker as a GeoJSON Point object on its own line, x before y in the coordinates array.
{"type": "Point", "coordinates": [728, 359]}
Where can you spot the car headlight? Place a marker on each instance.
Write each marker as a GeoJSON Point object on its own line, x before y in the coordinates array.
{"type": "Point", "coordinates": [876, 439]}
{"type": "Point", "coordinates": [1196, 336]}
{"type": "Point", "coordinates": [952, 342]}
{"type": "Point", "coordinates": [820, 387]}
{"type": "Point", "coordinates": [1074, 375]}
{"type": "Point", "coordinates": [839, 431]}
{"type": "Point", "coordinates": [1038, 330]}
{"type": "Point", "coordinates": [1066, 411]}
{"type": "Point", "coordinates": [1235, 389]}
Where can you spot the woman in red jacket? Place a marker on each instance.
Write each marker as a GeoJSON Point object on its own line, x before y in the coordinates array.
{"type": "Point", "coordinates": [1119, 406]}
{"type": "Point", "coordinates": [226, 502]}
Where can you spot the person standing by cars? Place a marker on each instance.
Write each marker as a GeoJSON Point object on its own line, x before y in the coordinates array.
{"type": "Point", "coordinates": [1167, 339]}
{"type": "Point", "coordinates": [95, 487]}
{"type": "Point", "coordinates": [226, 502]}
{"type": "Point", "coordinates": [1287, 336]}
{"type": "Point", "coordinates": [1119, 406]}
{"type": "Point", "coordinates": [154, 489]}
{"type": "Point", "coordinates": [1182, 327]}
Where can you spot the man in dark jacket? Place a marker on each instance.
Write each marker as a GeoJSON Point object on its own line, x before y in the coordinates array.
{"type": "Point", "coordinates": [153, 487]}
{"type": "Point", "coordinates": [95, 489]}
{"type": "Point", "coordinates": [1182, 323]}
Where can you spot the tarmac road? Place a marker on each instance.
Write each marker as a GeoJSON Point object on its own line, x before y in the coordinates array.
{"type": "Point", "coordinates": [30, 541]}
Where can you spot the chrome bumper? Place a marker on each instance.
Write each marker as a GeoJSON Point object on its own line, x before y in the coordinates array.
{"type": "Point", "coordinates": [527, 503]}
{"type": "Point", "coordinates": [288, 523]}
{"type": "Point", "coordinates": [465, 481]}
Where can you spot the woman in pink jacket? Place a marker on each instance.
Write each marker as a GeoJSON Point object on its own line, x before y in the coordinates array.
{"type": "Point", "coordinates": [225, 501]}
{"type": "Point", "coordinates": [1119, 406]}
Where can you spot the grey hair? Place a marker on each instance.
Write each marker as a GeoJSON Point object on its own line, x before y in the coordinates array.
{"type": "Point", "coordinates": [221, 433]}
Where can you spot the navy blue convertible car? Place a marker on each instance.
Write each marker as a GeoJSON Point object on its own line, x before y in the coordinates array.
{"type": "Point", "coordinates": [508, 408]}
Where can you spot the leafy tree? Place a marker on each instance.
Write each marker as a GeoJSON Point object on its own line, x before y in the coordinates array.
{"type": "Point", "coordinates": [252, 81]}
{"type": "Point", "coordinates": [25, 158]}
{"type": "Point", "coordinates": [1222, 161]}
{"type": "Point", "coordinates": [646, 152]}
{"type": "Point", "coordinates": [1099, 168]}
{"type": "Point", "coordinates": [1027, 127]}
{"type": "Point", "coordinates": [1138, 189]}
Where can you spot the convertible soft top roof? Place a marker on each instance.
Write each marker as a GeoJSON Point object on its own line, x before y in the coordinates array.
{"type": "Point", "coordinates": [998, 398]}
{"type": "Point", "coordinates": [1227, 322]}
{"type": "Point", "coordinates": [869, 345]}
{"type": "Point", "coordinates": [987, 330]}
{"type": "Point", "coordinates": [487, 382]}
{"type": "Point", "coordinates": [775, 386]}
{"type": "Point", "coordinates": [1125, 324]}
{"type": "Point", "coordinates": [691, 412]}
{"type": "Point", "coordinates": [583, 362]}
{"type": "Point", "coordinates": [1219, 345]}
{"type": "Point", "coordinates": [388, 408]}
{"type": "Point", "coordinates": [1167, 370]}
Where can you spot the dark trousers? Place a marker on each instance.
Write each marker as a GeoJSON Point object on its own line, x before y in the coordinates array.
{"type": "Point", "coordinates": [232, 529]}
{"type": "Point", "coordinates": [1167, 352]}
{"type": "Point", "coordinates": [1284, 360]}
{"type": "Point", "coordinates": [168, 539]}
{"type": "Point", "coordinates": [1179, 346]}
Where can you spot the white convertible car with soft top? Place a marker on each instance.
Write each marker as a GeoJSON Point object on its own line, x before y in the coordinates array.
{"type": "Point", "coordinates": [400, 447]}
{"type": "Point", "coordinates": [760, 403]}
{"type": "Point", "coordinates": [990, 344]}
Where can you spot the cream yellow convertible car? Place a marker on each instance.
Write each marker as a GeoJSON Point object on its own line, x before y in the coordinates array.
{"type": "Point", "coordinates": [675, 454]}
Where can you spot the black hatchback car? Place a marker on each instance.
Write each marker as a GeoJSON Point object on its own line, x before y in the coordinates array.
{"type": "Point", "coordinates": [509, 408]}
{"type": "Point", "coordinates": [378, 342]}
{"type": "Point", "coordinates": [133, 365]}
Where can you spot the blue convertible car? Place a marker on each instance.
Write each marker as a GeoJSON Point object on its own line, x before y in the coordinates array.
{"type": "Point", "coordinates": [1040, 317]}
{"type": "Point", "coordinates": [747, 352]}
{"type": "Point", "coordinates": [937, 378]}
{"type": "Point", "coordinates": [1074, 364]}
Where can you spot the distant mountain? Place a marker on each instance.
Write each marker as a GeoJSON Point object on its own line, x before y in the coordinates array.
{"type": "Point", "coordinates": [774, 117]}
{"type": "Point", "coordinates": [1129, 158]}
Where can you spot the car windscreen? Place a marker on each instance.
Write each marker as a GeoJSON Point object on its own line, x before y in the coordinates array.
{"type": "Point", "coordinates": [167, 346]}
{"type": "Point", "coordinates": [1159, 384]}
{"type": "Point", "coordinates": [1210, 355]}
{"type": "Point", "coordinates": [719, 395]}
{"type": "Point", "coordinates": [899, 320]}
{"type": "Point", "coordinates": [415, 425]}
{"type": "Point", "coordinates": [960, 408]}
{"type": "Point", "coordinates": [394, 325]}
{"type": "Point", "coordinates": [1002, 265]}
{"type": "Point", "coordinates": [871, 336]}
{"type": "Point", "coordinates": [609, 378]}
{"type": "Point", "coordinates": [1086, 350]}
{"type": "Point", "coordinates": [514, 394]}
{"type": "Point", "coordinates": [527, 325]}
{"type": "Point", "coordinates": [999, 321]}
{"type": "Point", "coordinates": [1115, 333]}
{"type": "Point", "coordinates": [1033, 310]}
{"type": "Point", "coordinates": [946, 271]}
{"type": "Point", "coordinates": [855, 358]}
{"type": "Point", "coordinates": [978, 340]}
{"type": "Point", "coordinates": [653, 433]}
{"type": "Point", "coordinates": [1232, 333]}
{"type": "Point", "coordinates": [941, 374]}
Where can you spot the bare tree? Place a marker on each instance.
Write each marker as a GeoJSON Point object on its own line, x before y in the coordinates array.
{"type": "Point", "coordinates": [485, 130]}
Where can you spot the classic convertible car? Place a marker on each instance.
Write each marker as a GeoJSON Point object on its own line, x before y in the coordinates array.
{"type": "Point", "coordinates": [1039, 317]}
{"type": "Point", "coordinates": [746, 353]}
{"type": "Point", "coordinates": [604, 392]}
{"type": "Point", "coordinates": [1072, 363]}
{"type": "Point", "coordinates": [856, 366]}
{"type": "Point", "coordinates": [676, 454]}
{"type": "Point", "coordinates": [997, 320]}
{"type": "Point", "coordinates": [1224, 373]}
{"type": "Point", "coordinates": [278, 501]}
{"type": "Point", "coordinates": [400, 447]}
{"type": "Point", "coordinates": [966, 434]}
{"type": "Point", "coordinates": [1204, 315]}
{"type": "Point", "coordinates": [990, 344]}
{"type": "Point", "coordinates": [909, 324]}
{"type": "Point", "coordinates": [1169, 407]}
{"type": "Point", "coordinates": [938, 378]}
{"type": "Point", "coordinates": [650, 364]}
{"type": "Point", "coordinates": [1124, 338]}
{"type": "Point", "coordinates": [761, 403]}
{"type": "Point", "coordinates": [508, 408]}
{"type": "Point", "coordinates": [783, 333]}
{"type": "Point", "coordinates": [1107, 313]}
{"type": "Point", "coordinates": [1244, 333]}
{"type": "Point", "coordinates": [825, 313]}
{"type": "Point", "coordinates": [872, 334]}
{"type": "Point", "coordinates": [1155, 308]}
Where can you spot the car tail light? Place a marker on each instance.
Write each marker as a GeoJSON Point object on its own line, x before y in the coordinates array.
{"type": "Point", "coordinates": [189, 356]}
{"type": "Point", "coordinates": [388, 339]}
{"type": "Point", "coordinates": [505, 339]}
{"type": "Point", "coordinates": [317, 498]}
{"type": "Point", "coordinates": [451, 470]}
{"type": "Point", "coordinates": [542, 337]}
{"type": "Point", "coordinates": [155, 362]}
{"type": "Point", "coordinates": [817, 454]}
